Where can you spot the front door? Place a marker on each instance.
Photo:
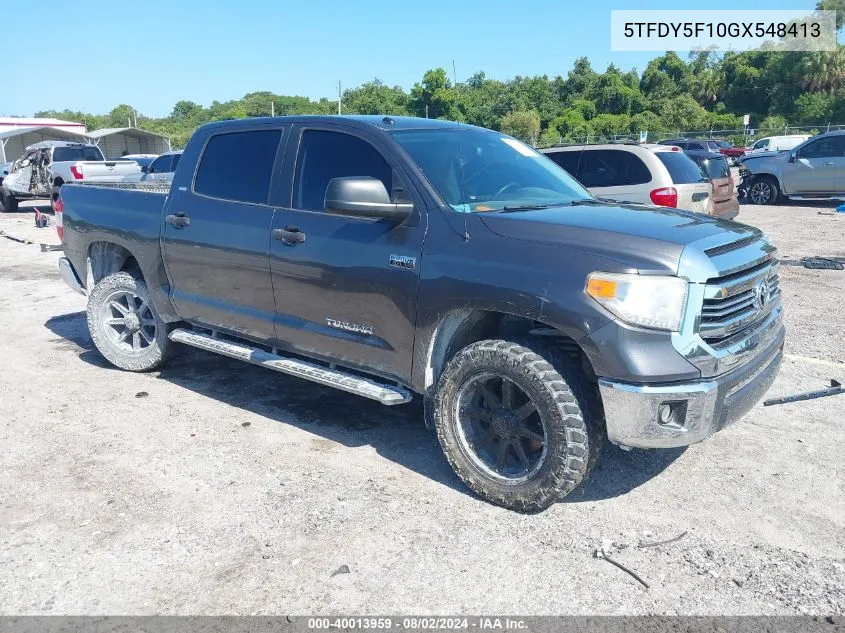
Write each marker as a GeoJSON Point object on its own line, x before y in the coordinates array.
{"type": "Point", "coordinates": [217, 235]}
{"type": "Point", "coordinates": [346, 288]}
{"type": "Point", "coordinates": [818, 167]}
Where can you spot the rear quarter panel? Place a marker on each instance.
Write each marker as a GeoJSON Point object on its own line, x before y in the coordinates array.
{"type": "Point", "coordinates": [126, 217]}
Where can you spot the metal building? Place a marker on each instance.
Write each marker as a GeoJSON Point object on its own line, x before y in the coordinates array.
{"type": "Point", "coordinates": [115, 142]}
{"type": "Point", "coordinates": [13, 142]}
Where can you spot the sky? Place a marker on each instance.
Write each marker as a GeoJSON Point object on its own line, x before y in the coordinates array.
{"type": "Point", "coordinates": [152, 54]}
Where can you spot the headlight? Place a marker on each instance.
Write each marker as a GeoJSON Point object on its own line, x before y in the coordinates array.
{"type": "Point", "coordinates": [648, 301]}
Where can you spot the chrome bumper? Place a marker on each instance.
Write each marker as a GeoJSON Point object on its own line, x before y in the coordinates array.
{"type": "Point", "coordinates": [69, 276]}
{"type": "Point", "coordinates": [692, 410]}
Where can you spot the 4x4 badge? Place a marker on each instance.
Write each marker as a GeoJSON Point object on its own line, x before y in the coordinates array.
{"type": "Point", "coordinates": [403, 261]}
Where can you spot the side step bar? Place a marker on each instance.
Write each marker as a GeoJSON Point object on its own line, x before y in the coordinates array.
{"type": "Point", "coordinates": [386, 394]}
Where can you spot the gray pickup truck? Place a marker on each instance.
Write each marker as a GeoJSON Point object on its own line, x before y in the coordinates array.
{"type": "Point", "coordinates": [813, 170]}
{"type": "Point", "coordinates": [390, 256]}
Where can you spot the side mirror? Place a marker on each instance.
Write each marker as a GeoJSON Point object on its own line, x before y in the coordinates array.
{"type": "Point", "coordinates": [363, 196]}
{"type": "Point", "coordinates": [792, 157]}
{"type": "Point", "coordinates": [144, 169]}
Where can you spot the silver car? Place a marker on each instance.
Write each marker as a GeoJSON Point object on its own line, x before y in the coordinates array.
{"type": "Point", "coordinates": [814, 169]}
{"type": "Point", "coordinates": [160, 171]}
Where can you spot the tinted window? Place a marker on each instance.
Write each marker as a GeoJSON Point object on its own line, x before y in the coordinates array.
{"type": "Point", "coordinates": [715, 167]}
{"type": "Point", "coordinates": [238, 166]}
{"type": "Point", "coordinates": [68, 154]}
{"type": "Point", "coordinates": [833, 146]}
{"type": "Point", "coordinates": [160, 165]}
{"type": "Point", "coordinates": [327, 155]}
{"type": "Point", "coordinates": [695, 146]}
{"type": "Point", "coordinates": [612, 168]}
{"type": "Point", "coordinates": [724, 144]}
{"type": "Point", "coordinates": [761, 144]}
{"type": "Point", "coordinates": [682, 168]}
{"type": "Point", "coordinates": [567, 160]}
{"type": "Point", "coordinates": [713, 145]}
{"type": "Point", "coordinates": [176, 158]}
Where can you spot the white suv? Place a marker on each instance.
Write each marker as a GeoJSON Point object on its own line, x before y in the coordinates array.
{"type": "Point", "coordinates": [648, 174]}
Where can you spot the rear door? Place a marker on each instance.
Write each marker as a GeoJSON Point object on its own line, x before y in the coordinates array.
{"type": "Point", "coordinates": [818, 167]}
{"type": "Point", "coordinates": [159, 169]}
{"type": "Point", "coordinates": [346, 287]}
{"type": "Point", "coordinates": [615, 174]}
{"type": "Point", "coordinates": [689, 179]}
{"type": "Point", "coordinates": [216, 237]}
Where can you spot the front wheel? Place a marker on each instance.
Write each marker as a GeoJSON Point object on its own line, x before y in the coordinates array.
{"type": "Point", "coordinates": [764, 190]}
{"type": "Point", "coordinates": [124, 324]}
{"type": "Point", "coordinates": [512, 427]}
{"type": "Point", "coordinates": [8, 202]}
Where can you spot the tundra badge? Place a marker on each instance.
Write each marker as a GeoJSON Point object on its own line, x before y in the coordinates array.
{"type": "Point", "coordinates": [350, 327]}
{"type": "Point", "coordinates": [403, 261]}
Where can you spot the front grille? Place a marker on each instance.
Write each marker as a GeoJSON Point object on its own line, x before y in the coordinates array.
{"type": "Point", "coordinates": [731, 305]}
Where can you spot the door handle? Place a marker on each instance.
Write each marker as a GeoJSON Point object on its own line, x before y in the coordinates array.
{"type": "Point", "coordinates": [178, 220]}
{"type": "Point", "coordinates": [289, 235]}
{"type": "Point", "coordinates": [828, 164]}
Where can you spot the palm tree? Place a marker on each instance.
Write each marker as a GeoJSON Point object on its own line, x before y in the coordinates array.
{"type": "Point", "coordinates": [823, 71]}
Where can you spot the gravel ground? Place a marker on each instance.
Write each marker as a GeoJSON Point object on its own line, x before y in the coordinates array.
{"type": "Point", "coordinates": [228, 489]}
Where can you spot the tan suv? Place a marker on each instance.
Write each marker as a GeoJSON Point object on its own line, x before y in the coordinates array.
{"type": "Point", "coordinates": [647, 174]}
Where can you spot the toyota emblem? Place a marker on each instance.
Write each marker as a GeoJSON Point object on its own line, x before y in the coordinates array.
{"type": "Point", "coordinates": [761, 294]}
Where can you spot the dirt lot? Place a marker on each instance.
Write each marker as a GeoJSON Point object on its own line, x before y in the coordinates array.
{"type": "Point", "coordinates": [229, 489]}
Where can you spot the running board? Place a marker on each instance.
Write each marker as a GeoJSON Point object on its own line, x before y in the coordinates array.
{"type": "Point", "coordinates": [386, 394]}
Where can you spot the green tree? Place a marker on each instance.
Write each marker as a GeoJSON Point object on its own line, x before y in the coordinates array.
{"type": "Point", "coordinates": [374, 97]}
{"type": "Point", "coordinates": [434, 97]}
{"type": "Point", "coordinates": [522, 124]}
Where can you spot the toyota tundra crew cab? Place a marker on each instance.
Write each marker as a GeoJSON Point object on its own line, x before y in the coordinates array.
{"type": "Point", "coordinates": [389, 256]}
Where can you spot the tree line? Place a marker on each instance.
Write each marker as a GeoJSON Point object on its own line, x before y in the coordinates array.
{"type": "Point", "coordinates": [703, 92]}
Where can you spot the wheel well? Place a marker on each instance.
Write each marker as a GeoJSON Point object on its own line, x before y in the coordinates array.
{"type": "Point", "coordinates": [463, 328]}
{"type": "Point", "coordinates": [106, 258]}
{"type": "Point", "coordinates": [58, 182]}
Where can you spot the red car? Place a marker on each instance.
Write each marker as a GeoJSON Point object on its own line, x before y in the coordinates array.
{"type": "Point", "coordinates": [728, 150]}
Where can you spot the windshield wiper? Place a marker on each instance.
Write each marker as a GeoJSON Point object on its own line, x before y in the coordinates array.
{"type": "Point", "coordinates": [525, 207]}
{"type": "Point", "coordinates": [597, 201]}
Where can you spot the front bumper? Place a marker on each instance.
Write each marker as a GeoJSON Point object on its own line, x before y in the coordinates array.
{"type": "Point", "coordinates": [699, 408]}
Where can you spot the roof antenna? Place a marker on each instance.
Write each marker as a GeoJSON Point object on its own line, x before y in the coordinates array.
{"type": "Point", "coordinates": [461, 186]}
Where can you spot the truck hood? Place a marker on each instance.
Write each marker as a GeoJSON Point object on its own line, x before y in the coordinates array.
{"type": "Point", "coordinates": [642, 237]}
{"type": "Point", "coordinates": [780, 154]}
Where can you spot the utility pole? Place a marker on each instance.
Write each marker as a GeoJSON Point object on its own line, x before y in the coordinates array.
{"type": "Point", "coordinates": [338, 96]}
{"type": "Point", "coordinates": [454, 74]}
{"type": "Point", "coordinates": [426, 110]}
{"type": "Point", "coordinates": [272, 108]}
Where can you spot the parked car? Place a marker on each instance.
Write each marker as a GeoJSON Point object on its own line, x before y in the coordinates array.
{"type": "Point", "coordinates": [46, 166]}
{"type": "Point", "coordinates": [392, 256]}
{"type": "Point", "coordinates": [777, 143]}
{"type": "Point", "coordinates": [647, 174]}
{"type": "Point", "coordinates": [813, 169]}
{"type": "Point", "coordinates": [724, 202]}
{"type": "Point", "coordinates": [695, 144]}
{"type": "Point", "coordinates": [143, 160]}
{"type": "Point", "coordinates": [161, 170]}
{"type": "Point", "coordinates": [730, 152]}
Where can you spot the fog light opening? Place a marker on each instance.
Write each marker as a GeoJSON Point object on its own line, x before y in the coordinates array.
{"type": "Point", "coordinates": [672, 414]}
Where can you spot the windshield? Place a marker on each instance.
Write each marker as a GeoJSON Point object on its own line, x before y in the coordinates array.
{"type": "Point", "coordinates": [477, 170]}
{"type": "Point", "coordinates": [716, 167]}
{"type": "Point", "coordinates": [682, 168]}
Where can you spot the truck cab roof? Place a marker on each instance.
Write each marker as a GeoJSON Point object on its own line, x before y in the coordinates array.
{"type": "Point", "coordinates": [384, 122]}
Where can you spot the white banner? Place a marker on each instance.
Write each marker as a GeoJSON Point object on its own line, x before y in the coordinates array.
{"type": "Point", "coordinates": [728, 30]}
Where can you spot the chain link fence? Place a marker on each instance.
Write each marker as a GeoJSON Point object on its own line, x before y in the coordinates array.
{"type": "Point", "coordinates": [739, 137]}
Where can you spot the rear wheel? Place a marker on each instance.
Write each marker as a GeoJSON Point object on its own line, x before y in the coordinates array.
{"type": "Point", "coordinates": [764, 190]}
{"type": "Point", "coordinates": [124, 324]}
{"type": "Point", "coordinates": [512, 427]}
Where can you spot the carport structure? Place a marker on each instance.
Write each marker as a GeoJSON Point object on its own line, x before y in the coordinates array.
{"type": "Point", "coordinates": [114, 142]}
{"type": "Point", "coordinates": [14, 142]}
